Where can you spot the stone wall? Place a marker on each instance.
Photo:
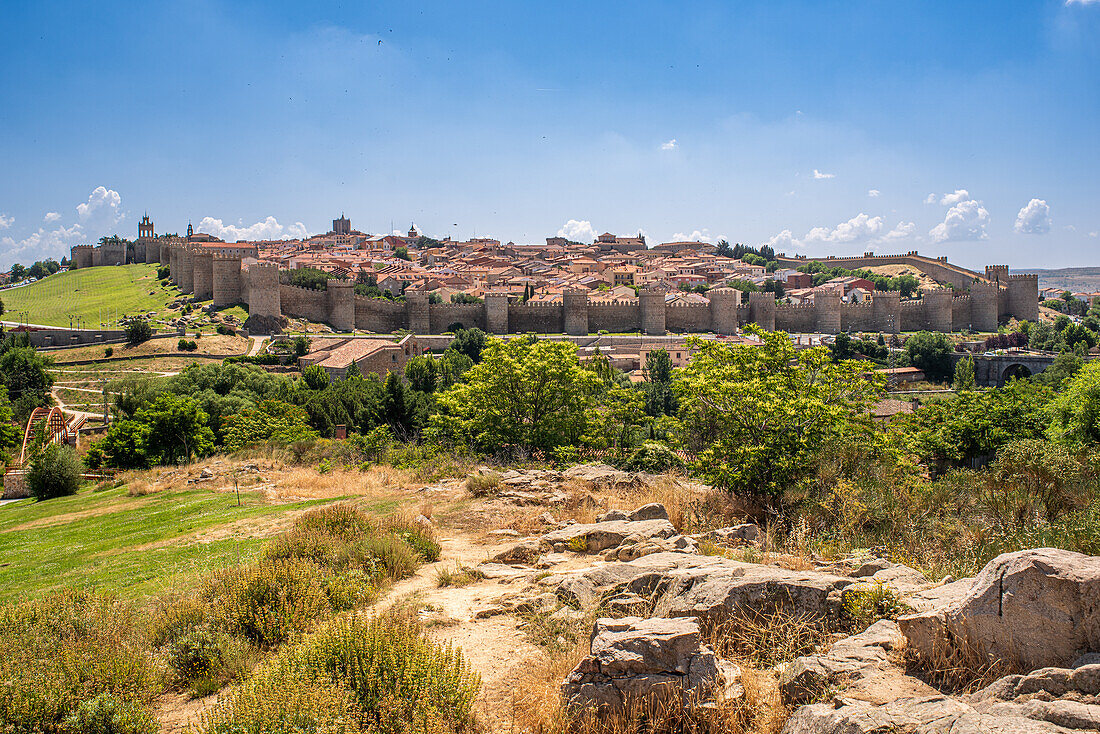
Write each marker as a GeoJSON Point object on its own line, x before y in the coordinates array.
{"type": "Point", "coordinates": [203, 275]}
{"type": "Point", "coordinates": [539, 317]}
{"type": "Point", "coordinates": [444, 314]}
{"type": "Point", "coordinates": [684, 317]}
{"type": "Point", "coordinates": [615, 316]}
{"type": "Point", "coordinates": [227, 281]}
{"type": "Point", "coordinates": [303, 303]}
{"type": "Point", "coordinates": [380, 315]}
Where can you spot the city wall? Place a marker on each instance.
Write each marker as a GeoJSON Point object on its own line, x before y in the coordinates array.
{"type": "Point", "coordinates": [984, 302]}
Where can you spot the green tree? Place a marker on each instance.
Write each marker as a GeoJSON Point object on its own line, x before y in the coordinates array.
{"type": "Point", "coordinates": [755, 415]}
{"type": "Point", "coordinates": [402, 253]}
{"type": "Point", "coordinates": [1034, 480]}
{"type": "Point", "coordinates": [301, 346]}
{"type": "Point", "coordinates": [931, 353]}
{"type": "Point", "coordinates": [964, 374]}
{"type": "Point", "coordinates": [126, 445]}
{"type": "Point", "coordinates": [469, 342]}
{"type": "Point", "coordinates": [24, 373]}
{"type": "Point", "coordinates": [973, 425]}
{"type": "Point", "coordinates": [54, 472]}
{"type": "Point", "coordinates": [452, 366]}
{"type": "Point", "coordinates": [353, 372]}
{"type": "Point", "coordinates": [616, 421]}
{"type": "Point", "coordinates": [178, 429]}
{"type": "Point", "coordinates": [270, 420]}
{"type": "Point", "coordinates": [529, 396]}
{"type": "Point", "coordinates": [137, 330]}
{"type": "Point", "coordinates": [315, 377]}
{"type": "Point", "coordinates": [657, 391]}
{"type": "Point", "coordinates": [1065, 365]}
{"type": "Point", "coordinates": [422, 372]}
{"type": "Point", "coordinates": [397, 408]}
{"type": "Point", "coordinates": [9, 431]}
{"type": "Point", "coordinates": [1075, 413]}
{"type": "Point", "coordinates": [18, 272]}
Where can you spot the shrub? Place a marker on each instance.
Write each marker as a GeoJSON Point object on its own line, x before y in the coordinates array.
{"type": "Point", "coordinates": [164, 272]}
{"type": "Point", "coordinates": [341, 520]}
{"type": "Point", "coordinates": [267, 602]}
{"type": "Point", "coordinates": [865, 604]}
{"type": "Point", "coordinates": [226, 330]}
{"type": "Point", "coordinates": [397, 676]}
{"type": "Point", "coordinates": [418, 537]}
{"type": "Point", "coordinates": [654, 458]}
{"type": "Point", "coordinates": [108, 352]}
{"type": "Point", "coordinates": [54, 472]}
{"type": "Point", "coordinates": [137, 330]}
{"type": "Point", "coordinates": [186, 346]}
{"type": "Point", "coordinates": [480, 485]}
{"type": "Point", "coordinates": [281, 701]}
{"type": "Point", "coordinates": [59, 653]}
{"type": "Point", "coordinates": [107, 714]}
{"type": "Point", "coordinates": [398, 559]}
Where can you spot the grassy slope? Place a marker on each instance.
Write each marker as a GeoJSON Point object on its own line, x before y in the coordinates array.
{"type": "Point", "coordinates": [88, 293]}
{"type": "Point", "coordinates": [132, 545]}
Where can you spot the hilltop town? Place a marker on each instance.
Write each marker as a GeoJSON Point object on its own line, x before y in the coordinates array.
{"type": "Point", "coordinates": [383, 283]}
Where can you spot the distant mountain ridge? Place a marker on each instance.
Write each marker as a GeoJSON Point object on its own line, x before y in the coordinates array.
{"type": "Point", "coordinates": [1071, 279]}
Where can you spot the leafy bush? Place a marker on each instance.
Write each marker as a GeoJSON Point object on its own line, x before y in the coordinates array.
{"type": "Point", "coordinates": [54, 472]}
{"type": "Point", "coordinates": [184, 345]}
{"type": "Point", "coordinates": [340, 520]}
{"type": "Point", "coordinates": [267, 602]}
{"type": "Point", "coordinates": [396, 556]}
{"type": "Point", "coordinates": [418, 537]}
{"type": "Point", "coordinates": [109, 352]}
{"type": "Point", "coordinates": [399, 679]}
{"type": "Point", "coordinates": [654, 458]}
{"type": "Point", "coordinates": [107, 714]}
{"type": "Point", "coordinates": [60, 652]}
{"type": "Point", "coordinates": [865, 604]}
{"type": "Point", "coordinates": [137, 330]}
{"type": "Point", "coordinates": [281, 701]}
{"type": "Point", "coordinates": [226, 330]}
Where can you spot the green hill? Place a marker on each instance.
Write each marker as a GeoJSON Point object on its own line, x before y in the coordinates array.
{"type": "Point", "coordinates": [89, 294]}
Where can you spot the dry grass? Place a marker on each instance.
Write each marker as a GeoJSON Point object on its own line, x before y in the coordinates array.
{"type": "Point", "coordinates": [959, 666]}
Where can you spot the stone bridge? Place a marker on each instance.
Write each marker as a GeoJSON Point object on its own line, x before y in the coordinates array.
{"type": "Point", "coordinates": [994, 370]}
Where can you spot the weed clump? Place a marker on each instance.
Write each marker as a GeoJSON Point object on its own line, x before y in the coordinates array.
{"type": "Point", "coordinates": [483, 484]}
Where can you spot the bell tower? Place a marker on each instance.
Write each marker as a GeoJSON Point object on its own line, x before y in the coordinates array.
{"type": "Point", "coordinates": [145, 227]}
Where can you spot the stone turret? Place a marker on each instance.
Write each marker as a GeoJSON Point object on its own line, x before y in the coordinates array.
{"type": "Point", "coordinates": [227, 281]}
{"type": "Point", "coordinates": [419, 311]}
{"type": "Point", "coordinates": [187, 270]}
{"type": "Point", "coordinates": [723, 309]}
{"type": "Point", "coordinates": [341, 304]}
{"type": "Point", "coordinates": [575, 311]}
{"type": "Point", "coordinates": [496, 313]}
{"type": "Point", "coordinates": [166, 253]}
{"type": "Point", "coordinates": [651, 301]}
{"type": "Point", "coordinates": [81, 257]}
{"type": "Point", "coordinates": [886, 311]}
{"type": "Point", "coordinates": [937, 309]}
{"type": "Point", "coordinates": [984, 307]}
{"type": "Point", "coordinates": [263, 290]}
{"type": "Point", "coordinates": [174, 264]}
{"type": "Point", "coordinates": [1022, 298]}
{"type": "Point", "coordinates": [827, 312]}
{"type": "Point", "coordinates": [152, 251]}
{"type": "Point", "coordinates": [203, 278]}
{"type": "Point", "coordinates": [762, 310]}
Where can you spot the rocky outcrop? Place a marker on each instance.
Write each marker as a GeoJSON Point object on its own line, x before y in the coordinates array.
{"type": "Point", "coordinates": [598, 536]}
{"type": "Point", "coordinates": [745, 533]}
{"type": "Point", "coordinates": [1031, 609]}
{"type": "Point", "coordinates": [637, 661]}
{"type": "Point", "coordinates": [709, 587]}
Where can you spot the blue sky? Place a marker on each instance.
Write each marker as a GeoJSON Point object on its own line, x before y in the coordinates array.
{"type": "Point", "coordinates": [970, 130]}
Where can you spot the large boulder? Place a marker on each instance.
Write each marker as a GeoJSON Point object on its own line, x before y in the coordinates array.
{"type": "Point", "coordinates": [1032, 609]}
{"type": "Point", "coordinates": [600, 476]}
{"type": "Point", "coordinates": [710, 587]}
{"type": "Point", "coordinates": [637, 661]}
{"type": "Point", "coordinates": [598, 536]}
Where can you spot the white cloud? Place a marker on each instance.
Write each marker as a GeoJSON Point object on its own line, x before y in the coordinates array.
{"type": "Point", "coordinates": [1033, 218]}
{"type": "Point", "coordinates": [873, 193]}
{"type": "Point", "coordinates": [861, 229]}
{"type": "Point", "coordinates": [51, 217]}
{"type": "Point", "coordinates": [696, 236]}
{"type": "Point", "coordinates": [818, 175]}
{"type": "Point", "coordinates": [40, 245]}
{"type": "Point", "coordinates": [783, 242]}
{"type": "Point", "coordinates": [966, 221]}
{"type": "Point", "coordinates": [5, 221]}
{"type": "Point", "coordinates": [1069, 228]}
{"type": "Point", "coordinates": [101, 212]}
{"type": "Point", "coordinates": [1082, 2]}
{"type": "Point", "coordinates": [930, 199]}
{"type": "Point", "coordinates": [1094, 234]}
{"type": "Point", "coordinates": [268, 229]}
{"type": "Point", "coordinates": [958, 197]}
{"type": "Point", "coordinates": [578, 230]}
{"type": "Point", "coordinates": [670, 145]}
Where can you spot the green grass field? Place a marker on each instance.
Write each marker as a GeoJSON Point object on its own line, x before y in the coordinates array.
{"type": "Point", "coordinates": [134, 546]}
{"type": "Point", "coordinates": [89, 294]}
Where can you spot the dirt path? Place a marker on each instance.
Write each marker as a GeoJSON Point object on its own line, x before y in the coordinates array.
{"type": "Point", "coordinates": [495, 647]}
